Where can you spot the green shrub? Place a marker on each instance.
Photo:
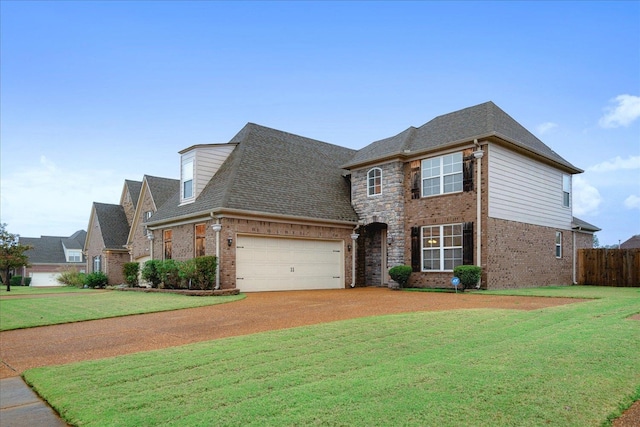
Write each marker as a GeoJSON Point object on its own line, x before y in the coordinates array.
{"type": "Point", "coordinates": [400, 274]}
{"type": "Point", "coordinates": [206, 271]}
{"type": "Point", "coordinates": [151, 272]}
{"type": "Point", "coordinates": [187, 270]}
{"type": "Point", "coordinates": [27, 281]}
{"type": "Point", "coordinates": [71, 277]}
{"type": "Point", "coordinates": [16, 281]}
{"type": "Point", "coordinates": [169, 270]}
{"type": "Point", "coordinates": [130, 272]}
{"type": "Point", "coordinates": [97, 279]}
{"type": "Point", "coordinates": [469, 275]}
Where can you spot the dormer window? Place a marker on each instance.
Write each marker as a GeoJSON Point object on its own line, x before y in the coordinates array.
{"type": "Point", "coordinates": [374, 182]}
{"type": "Point", "coordinates": [74, 256]}
{"type": "Point", "coordinates": [187, 180]}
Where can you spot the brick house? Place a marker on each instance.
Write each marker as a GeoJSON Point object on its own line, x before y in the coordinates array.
{"type": "Point", "coordinates": [105, 245]}
{"type": "Point", "coordinates": [286, 212]}
{"type": "Point", "coordinates": [52, 255]}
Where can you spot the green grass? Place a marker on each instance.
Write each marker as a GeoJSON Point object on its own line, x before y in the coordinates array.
{"type": "Point", "coordinates": [27, 290]}
{"type": "Point", "coordinates": [17, 313]}
{"type": "Point", "coordinates": [571, 365]}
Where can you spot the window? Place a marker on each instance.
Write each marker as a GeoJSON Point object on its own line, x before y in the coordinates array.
{"type": "Point", "coordinates": [566, 191]}
{"type": "Point", "coordinates": [374, 182]}
{"type": "Point", "coordinates": [558, 244]}
{"type": "Point", "coordinates": [74, 256]}
{"type": "Point", "coordinates": [167, 244]}
{"type": "Point", "coordinates": [442, 175]}
{"type": "Point", "coordinates": [441, 247]}
{"type": "Point", "coordinates": [187, 180]}
{"type": "Point", "coordinates": [97, 264]}
{"type": "Point", "coordinates": [200, 239]}
{"type": "Point", "coordinates": [147, 215]}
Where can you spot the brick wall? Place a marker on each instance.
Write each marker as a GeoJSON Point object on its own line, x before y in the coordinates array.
{"type": "Point", "coordinates": [140, 244]}
{"type": "Point", "coordinates": [444, 209]}
{"type": "Point", "coordinates": [112, 264]}
{"type": "Point", "coordinates": [183, 241]}
{"type": "Point", "coordinates": [523, 255]}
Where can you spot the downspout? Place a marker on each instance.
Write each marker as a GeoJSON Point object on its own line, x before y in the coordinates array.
{"type": "Point", "coordinates": [575, 254]}
{"type": "Point", "coordinates": [354, 238]}
{"type": "Point", "coordinates": [217, 227]}
{"type": "Point", "coordinates": [478, 154]}
{"type": "Point", "coordinates": [150, 237]}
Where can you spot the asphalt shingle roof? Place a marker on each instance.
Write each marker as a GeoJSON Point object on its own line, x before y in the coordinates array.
{"type": "Point", "coordinates": [467, 124]}
{"type": "Point", "coordinates": [49, 249]}
{"type": "Point", "coordinates": [578, 223]}
{"type": "Point", "coordinates": [162, 189]}
{"type": "Point", "coordinates": [134, 190]}
{"type": "Point", "coordinates": [275, 172]}
{"type": "Point", "coordinates": [113, 225]}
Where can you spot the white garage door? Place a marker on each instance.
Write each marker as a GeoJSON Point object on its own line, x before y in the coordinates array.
{"type": "Point", "coordinates": [280, 264]}
{"type": "Point", "coordinates": [44, 279]}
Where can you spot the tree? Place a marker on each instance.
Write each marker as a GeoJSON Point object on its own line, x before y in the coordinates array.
{"type": "Point", "coordinates": [596, 241]}
{"type": "Point", "coordinates": [12, 254]}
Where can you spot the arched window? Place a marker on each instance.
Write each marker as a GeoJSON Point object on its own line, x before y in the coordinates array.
{"type": "Point", "coordinates": [374, 182]}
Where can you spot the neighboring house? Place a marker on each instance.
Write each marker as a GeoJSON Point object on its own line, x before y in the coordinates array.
{"type": "Point", "coordinates": [105, 246]}
{"type": "Point", "coordinates": [631, 243]}
{"type": "Point", "coordinates": [154, 192]}
{"type": "Point", "coordinates": [283, 211]}
{"type": "Point", "coordinates": [52, 255]}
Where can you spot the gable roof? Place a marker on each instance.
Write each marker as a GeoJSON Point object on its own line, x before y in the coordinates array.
{"type": "Point", "coordinates": [477, 122]}
{"type": "Point", "coordinates": [631, 243]}
{"type": "Point", "coordinates": [161, 189]}
{"type": "Point", "coordinates": [273, 172]}
{"type": "Point", "coordinates": [134, 188]}
{"type": "Point", "coordinates": [113, 225]}
{"type": "Point", "coordinates": [50, 249]}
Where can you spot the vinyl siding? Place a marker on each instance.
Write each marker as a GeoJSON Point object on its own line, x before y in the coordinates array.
{"type": "Point", "coordinates": [207, 162]}
{"type": "Point", "coordinates": [524, 190]}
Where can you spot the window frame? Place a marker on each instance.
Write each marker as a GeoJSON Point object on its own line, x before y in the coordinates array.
{"type": "Point", "coordinates": [167, 246]}
{"type": "Point", "coordinates": [200, 238]}
{"type": "Point", "coordinates": [374, 182]}
{"type": "Point", "coordinates": [442, 249]}
{"type": "Point", "coordinates": [428, 166]}
{"type": "Point", "coordinates": [558, 244]}
{"type": "Point", "coordinates": [97, 264]}
{"type": "Point", "coordinates": [74, 256]}
{"type": "Point", "coordinates": [566, 190]}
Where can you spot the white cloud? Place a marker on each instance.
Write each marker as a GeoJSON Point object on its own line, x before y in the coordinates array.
{"type": "Point", "coordinates": [49, 200]}
{"type": "Point", "coordinates": [632, 202]}
{"type": "Point", "coordinates": [546, 127]}
{"type": "Point", "coordinates": [586, 198]}
{"type": "Point", "coordinates": [625, 111]}
{"type": "Point", "coordinates": [618, 163]}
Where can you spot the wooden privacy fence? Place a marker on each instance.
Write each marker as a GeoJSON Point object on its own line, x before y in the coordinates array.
{"type": "Point", "coordinates": [609, 267]}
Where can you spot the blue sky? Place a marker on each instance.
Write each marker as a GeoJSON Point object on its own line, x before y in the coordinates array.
{"type": "Point", "coordinates": [93, 93]}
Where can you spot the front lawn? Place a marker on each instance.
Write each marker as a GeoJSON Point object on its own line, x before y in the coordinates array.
{"type": "Point", "coordinates": [17, 313]}
{"type": "Point", "coordinates": [570, 365]}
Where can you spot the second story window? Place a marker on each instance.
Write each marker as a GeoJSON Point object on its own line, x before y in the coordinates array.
{"type": "Point", "coordinates": [187, 180]}
{"type": "Point", "coordinates": [442, 175]}
{"type": "Point", "coordinates": [167, 243]}
{"type": "Point", "coordinates": [374, 182]}
{"type": "Point", "coordinates": [566, 191]}
{"type": "Point", "coordinates": [74, 256]}
{"type": "Point", "coordinates": [200, 239]}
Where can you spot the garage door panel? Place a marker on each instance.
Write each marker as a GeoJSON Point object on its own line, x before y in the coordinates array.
{"type": "Point", "coordinates": [267, 263]}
